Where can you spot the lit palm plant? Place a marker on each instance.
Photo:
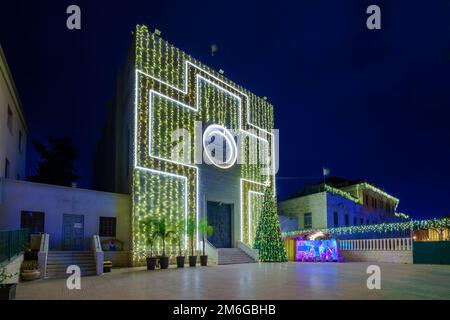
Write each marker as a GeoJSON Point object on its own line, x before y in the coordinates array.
{"type": "Point", "coordinates": [162, 231]}
{"type": "Point", "coordinates": [179, 229]}
{"type": "Point", "coordinates": [147, 228]}
{"type": "Point", "coordinates": [191, 228]}
{"type": "Point", "coordinates": [206, 231]}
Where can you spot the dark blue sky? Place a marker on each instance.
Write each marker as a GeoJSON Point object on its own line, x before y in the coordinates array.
{"type": "Point", "coordinates": [366, 104]}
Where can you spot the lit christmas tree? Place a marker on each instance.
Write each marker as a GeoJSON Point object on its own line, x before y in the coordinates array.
{"type": "Point", "coordinates": [268, 234]}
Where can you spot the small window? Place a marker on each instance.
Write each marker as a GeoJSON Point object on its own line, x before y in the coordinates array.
{"type": "Point", "coordinates": [33, 221]}
{"type": "Point", "coordinates": [7, 168]}
{"type": "Point", "coordinates": [9, 121]}
{"type": "Point", "coordinates": [20, 141]}
{"type": "Point", "coordinates": [355, 221]}
{"type": "Point", "coordinates": [336, 219]}
{"type": "Point", "coordinates": [367, 221]}
{"type": "Point", "coordinates": [367, 200]}
{"type": "Point", "coordinates": [361, 221]}
{"type": "Point", "coordinates": [107, 227]}
{"type": "Point", "coordinates": [308, 220]}
{"type": "Point", "coordinates": [347, 220]}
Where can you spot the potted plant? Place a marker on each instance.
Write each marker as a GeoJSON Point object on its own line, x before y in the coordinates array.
{"type": "Point", "coordinates": [147, 227]}
{"type": "Point", "coordinates": [191, 228]}
{"type": "Point", "coordinates": [206, 230]}
{"type": "Point", "coordinates": [179, 238]}
{"type": "Point", "coordinates": [161, 231]}
{"type": "Point", "coordinates": [7, 290]}
{"type": "Point", "coordinates": [30, 270]}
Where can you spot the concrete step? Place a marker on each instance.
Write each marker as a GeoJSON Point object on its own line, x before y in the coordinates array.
{"type": "Point", "coordinates": [233, 256]}
{"type": "Point", "coordinates": [59, 275]}
{"type": "Point", "coordinates": [58, 261]}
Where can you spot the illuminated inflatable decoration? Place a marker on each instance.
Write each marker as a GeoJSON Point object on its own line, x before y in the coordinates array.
{"type": "Point", "coordinates": [317, 246]}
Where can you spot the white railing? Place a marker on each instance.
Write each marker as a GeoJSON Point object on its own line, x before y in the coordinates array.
{"type": "Point", "coordinates": [98, 253]}
{"type": "Point", "coordinates": [211, 252]}
{"type": "Point", "coordinates": [391, 244]}
{"type": "Point", "coordinates": [253, 253]}
{"type": "Point", "coordinates": [43, 254]}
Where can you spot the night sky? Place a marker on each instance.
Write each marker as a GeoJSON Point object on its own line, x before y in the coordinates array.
{"type": "Point", "coordinates": [366, 104]}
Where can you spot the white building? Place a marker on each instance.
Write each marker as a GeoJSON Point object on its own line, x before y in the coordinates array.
{"type": "Point", "coordinates": [13, 128]}
{"type": "Point", "coordinates": [340, 203]}
{"type": "Point", "coordinates": [71, 216]}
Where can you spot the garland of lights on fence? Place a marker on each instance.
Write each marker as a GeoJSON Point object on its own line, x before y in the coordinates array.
{"type": "Point", "coordinates": [380, 228]}
{"type": "Point", "coordinates": [154, 194]}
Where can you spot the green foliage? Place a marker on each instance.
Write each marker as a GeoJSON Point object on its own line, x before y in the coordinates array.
{"type": "Point", "coordinates": [147, 227]}
{"type": "Point", "coordinates": [206, 230]}
{"type": "Point", "coordinates": [162, 231]}
{"type": "Point", "coordinates": [268, 238]}
{"type": "Point", "coordinates": [179, 234]}
{"type": "Point", "coordinates": [191, 229]}
{"type": "Point", "coordinates": [5, 276]}
{"type": "Point", "coordinates": [57, 162]}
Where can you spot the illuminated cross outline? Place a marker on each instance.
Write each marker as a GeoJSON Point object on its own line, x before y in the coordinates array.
{"type": "Point", "coordinates": [183, 94]}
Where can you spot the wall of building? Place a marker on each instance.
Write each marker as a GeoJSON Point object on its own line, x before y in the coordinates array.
{"type": "Point", "coordinates": [54, 201]}
{"type": "Point", "coordinates": [9, 137]}
{"type": "Point", "coordinates": [297, 207]}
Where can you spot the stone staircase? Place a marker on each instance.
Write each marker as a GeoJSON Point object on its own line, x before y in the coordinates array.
{"type": "Point", "coordinates": [58, 261]}
{"type": "Point", "coordinates": [233, 256]}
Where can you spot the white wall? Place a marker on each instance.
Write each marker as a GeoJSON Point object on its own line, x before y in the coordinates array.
{"type": "Point", "coordinates": [9, 140]}
{"type": "Point", "coordinates": [56, 201]}
{"type": "Point", "coordinates": [316, 204]}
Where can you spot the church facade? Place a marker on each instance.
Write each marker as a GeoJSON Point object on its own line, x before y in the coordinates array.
{"type": "Point", "coordinates": [185, 143]}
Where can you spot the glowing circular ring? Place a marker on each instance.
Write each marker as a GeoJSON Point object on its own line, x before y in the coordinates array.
{"type": "Point", "coordinates": [216, 129]}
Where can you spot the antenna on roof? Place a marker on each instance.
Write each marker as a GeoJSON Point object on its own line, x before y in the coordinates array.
{"type": "Point", "coordinates": [221, 71]}
{"type": "Point", "coordinates": [214, 49]}
{"type": "Point", "coordinates": [157, 32]}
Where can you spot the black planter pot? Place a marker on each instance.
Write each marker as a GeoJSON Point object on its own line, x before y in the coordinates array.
{"type": "Point", "coordinates": [151, 263]}
{"type": "Point", "coordinates": [204, 261]}
{"type": "Point", "coordinates": [180, 262]}
{"type": "Point", "coordinates": [164, 262]}
{"type": "Point", "coordinates": [8, 292]}
{"type": "Point", "coordinates": [192, 261]}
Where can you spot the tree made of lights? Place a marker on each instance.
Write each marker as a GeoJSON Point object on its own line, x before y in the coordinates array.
{"type": "Point", "coordinates": [268, 239]}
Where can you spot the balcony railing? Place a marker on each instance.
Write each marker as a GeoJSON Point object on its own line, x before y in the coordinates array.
{"type": "Point", "coordinates": [393, 244]}
{"type": "Point", "coordinates": [12, 243]}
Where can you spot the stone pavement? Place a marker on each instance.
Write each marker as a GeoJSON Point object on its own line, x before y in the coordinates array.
{"type": "Point", "coordinates": [253, 281]}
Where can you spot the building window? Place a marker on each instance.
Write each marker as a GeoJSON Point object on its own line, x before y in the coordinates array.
{"type": "Point", "coordinates": [9, 121]}
{"type": "Point", "coordinates": [367, 221]}
{"type": "Point", "coordinates": [367, 200]}
{"type": "Point", "coordinates": [20, 141]}
{"type": "Point", "coordinates": [347, 220]}
{"type": "Point", "coordinates": [107, 227]}
{"type": "Point", "coordinates": [361, 221]}
{"type": "Point", "coordinates": [355, 221]}
{"type": "Point", "coordinates": [308, 220]}
{"type": "Point", "coordinates": [7, 168]}
{"type": "Point", "coordinates": [33, 221]}
{"type": "Point", "coordinates": [336, 219]}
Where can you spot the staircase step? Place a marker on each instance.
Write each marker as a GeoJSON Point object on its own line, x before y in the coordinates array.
{"type": "Point", "coordinates": [58, 261]}
{"type": "Point", "coordinates": [233, 256]}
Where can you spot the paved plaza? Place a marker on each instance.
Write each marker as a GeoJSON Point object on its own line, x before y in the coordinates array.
{"type": "Point", "coordinates": [253, 281]}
